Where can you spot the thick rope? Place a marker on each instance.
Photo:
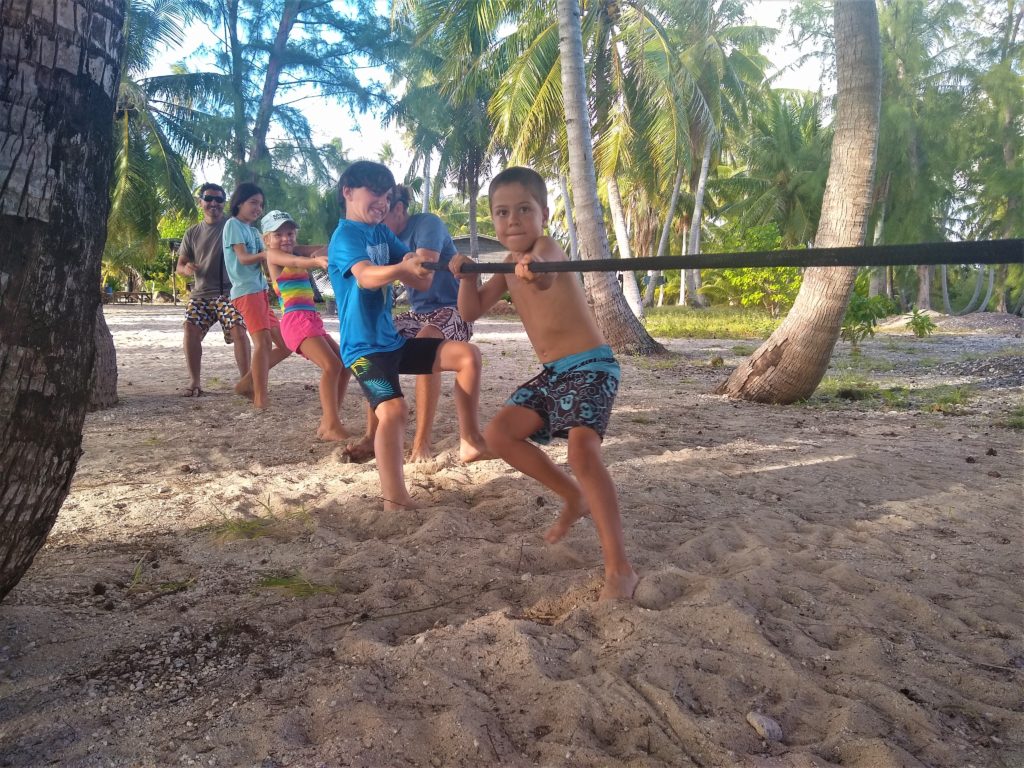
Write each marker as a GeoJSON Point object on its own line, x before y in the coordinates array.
{"type": "Point", "coordinates": [980, 252]}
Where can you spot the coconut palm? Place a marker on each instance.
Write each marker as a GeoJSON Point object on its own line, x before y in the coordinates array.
{"type": "Point", "coordinates": [782, 167]}
{"type": "Point", "coordinates": [53, 225]}
{"type": "Point", "coordinates": [791, 363]}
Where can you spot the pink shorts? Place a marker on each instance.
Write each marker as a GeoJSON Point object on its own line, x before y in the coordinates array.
{"type": "Point", "coordinates": [300, 325]}
{"type": "Point", "coordinates": [256, 311]}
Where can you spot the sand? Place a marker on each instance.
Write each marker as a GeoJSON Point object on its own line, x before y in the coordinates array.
{"type": "Point", "coordinates": [220, 589]}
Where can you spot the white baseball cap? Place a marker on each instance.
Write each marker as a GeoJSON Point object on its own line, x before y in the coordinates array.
{"type": "Point", "coordinates": [273, 221]}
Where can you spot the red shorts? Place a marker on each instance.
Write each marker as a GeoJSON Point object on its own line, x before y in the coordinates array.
{"type": "Point", "coordinates": [300, 325]}
{"type": "Point", "coordinates": [256, 311]}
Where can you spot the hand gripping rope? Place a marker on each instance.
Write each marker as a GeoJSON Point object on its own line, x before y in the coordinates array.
{"type": "Point", "coordinates": [980, 252]}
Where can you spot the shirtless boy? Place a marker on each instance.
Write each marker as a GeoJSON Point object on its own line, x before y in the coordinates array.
{"type": "Point", "coordinates": [573, 396]}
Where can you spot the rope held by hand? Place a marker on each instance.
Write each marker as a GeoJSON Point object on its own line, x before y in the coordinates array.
{"type": "Point", "coordinates": [978, 252]}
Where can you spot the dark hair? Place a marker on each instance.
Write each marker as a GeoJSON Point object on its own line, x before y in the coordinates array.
{"type": "Point", "coordinates": [365, 173]}
{"type": "Point", "coordinates": [243, 192]}
{"type": "Point", "coordinates": [210, 185]}
{"type": "Point", "coordinates": [400, 194]}
{"type": "Point", "coordinates": [528, 177]}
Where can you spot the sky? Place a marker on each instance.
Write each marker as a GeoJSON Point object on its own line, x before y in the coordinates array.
{"type": "Point", "coordinates": [363, 136]}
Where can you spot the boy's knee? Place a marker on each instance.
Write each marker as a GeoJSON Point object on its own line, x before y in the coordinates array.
{"type": "Point", "coordinates": [585, 455]}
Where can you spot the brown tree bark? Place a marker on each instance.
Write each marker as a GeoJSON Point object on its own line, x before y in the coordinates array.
{"type": "Point", "coordinates": [103, 378]}
{"type": "Point", "coordinates": [791, 363]}
{"type": "Point", "coordinates": [621, 328]}
{"type": "Point", "coordinates": [59, 72]}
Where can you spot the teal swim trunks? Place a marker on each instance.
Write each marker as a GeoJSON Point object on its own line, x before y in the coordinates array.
{"type": "Point", "coordinates": [574, 391]}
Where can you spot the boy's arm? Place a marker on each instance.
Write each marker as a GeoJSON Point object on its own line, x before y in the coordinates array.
{"type": "Point", "coordinates": [244, 257]}
{"type": "Point", "coordinates": [410, 271]}
{"type": "Point", "coordinates": [475, 300]}
{"type": "Point", "coordinates": [545, 249]}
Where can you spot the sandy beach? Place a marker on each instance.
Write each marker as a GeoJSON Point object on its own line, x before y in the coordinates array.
{"type": "Point", "coordinates": [222, 589]}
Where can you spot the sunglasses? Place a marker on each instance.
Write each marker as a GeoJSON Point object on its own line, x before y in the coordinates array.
{"type": "Point", "coordinates": [212, 198]}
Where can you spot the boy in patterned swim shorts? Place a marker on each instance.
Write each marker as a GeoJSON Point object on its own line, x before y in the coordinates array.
{"type": "Point", "coordinates": [433, 312]}
{"type": "Point", "coordinates": [573, 396]}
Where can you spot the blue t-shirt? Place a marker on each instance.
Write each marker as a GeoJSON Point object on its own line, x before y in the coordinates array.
{"type": "Point", "coordinates": [364, 314]}
{"type": "Point", "coordinates": [245, 278]}
{"type": "Point", "coordinates": [425, 230]}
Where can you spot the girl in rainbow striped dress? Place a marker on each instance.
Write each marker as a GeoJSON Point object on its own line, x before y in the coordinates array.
{"type": "Point", "coordinates": [301, 326]}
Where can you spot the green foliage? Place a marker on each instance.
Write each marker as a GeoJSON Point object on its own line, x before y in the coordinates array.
{"type": "Point", "coordinates": [712, 323]}
{"type": "Point", "coordinates": [920, 323]}
{"type": "Point", "coordinates": [772, 288]}
{"type": "Point", "coordinates": [862, 315]}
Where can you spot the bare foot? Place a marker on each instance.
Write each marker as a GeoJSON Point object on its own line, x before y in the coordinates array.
{"type": "Point", "coordinates": [335, 432]}
{"type": "Point", "coordinates": [473, 449]}
{"type": "Point", "coordinates": [360, 451]}
{"type": "Point", "coordinates": [571, 512]}
{"type": "Point", "coordinates": [619, 587]}
{"type": "Point", "coordinates": [244, 387]}
{"type": "Point", "coordinates": [396, 505]}
{"type": "Point", "coordinates": [420, 454]}
{"type": "Point", "coordinates": [261, 402]}
{"type": "Point", "coordinates": [191, 391]}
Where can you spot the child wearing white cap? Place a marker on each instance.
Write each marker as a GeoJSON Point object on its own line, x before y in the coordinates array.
{"type": "Point", "coordinates": [301, 327]}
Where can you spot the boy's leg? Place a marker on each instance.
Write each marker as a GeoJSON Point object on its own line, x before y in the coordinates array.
{"type": "Point", "coordinates": [319, 351]}
{"type": "Point", "coordinates": [464, 358]}
{"type": "Point", "coordinates": [507, 435]}
{"type": "Point", "coordinates": [620, 579]}
{"type": "Point", "coordinates": [389, 449]}
{"type": "Point", "coordinates": [428, 392]}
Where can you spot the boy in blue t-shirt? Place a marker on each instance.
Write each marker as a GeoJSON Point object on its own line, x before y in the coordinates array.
{"type": "Point", "coordinates": [364, 258]}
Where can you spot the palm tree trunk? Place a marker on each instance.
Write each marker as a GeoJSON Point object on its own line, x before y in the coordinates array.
{"type": "Point", "coordinates": [946, 307]}
{"type": "Point", "coordinates": [54, 200]}
{"type": "Point", "coordinates": [620, 326]}
{"type": "Point", "coordinates": [570, 222]}
{"type": "Point", "coordinates": [980, 281]}
{"type": "Point", "coordinates": [103, 379]}
{"type": "Point", "coordinates": [791, 363]}
{"type": "Point", "coordinates": [924, 287]}
{"type": "Point", "coordinates": [474, 234]}
{"type": "Point", "coordinates": [654, 276]}
{"type": "Point", "coordinates": [240, 124]}
{"type": "Point", "coordinates": [691, 277]}
{"type": "Point", "coordinates": [629, 286]}
{"type": "Point", "coordinates": [259, 157]}
{"type": "Point", "coordinates": [426, 181]}
{"type": "Point", "coordinates": [983, 307]}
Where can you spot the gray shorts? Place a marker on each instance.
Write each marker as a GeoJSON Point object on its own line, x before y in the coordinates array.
{"type": "Point", "coordinates": [446, 319]}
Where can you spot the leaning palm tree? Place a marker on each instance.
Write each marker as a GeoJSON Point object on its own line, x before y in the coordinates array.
{"type": "Point", "coordinates": [791, 363]}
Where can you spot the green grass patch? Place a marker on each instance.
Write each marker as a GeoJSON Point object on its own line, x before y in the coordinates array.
{"type": "Point", "coordinates": [711, 323]}
{"type": "Point", "coordinates": [846, 386]}
{"type": "Point", "coordinates": [946, 398]}
{"type": "Point", "coordinates": [285, 525]}
{"type": "Point", "coordinates": [743, 350]}
{"type": "Point", "coordinates": [295, 585]}
{"type": "Point", "coordinates": [1016, 418]}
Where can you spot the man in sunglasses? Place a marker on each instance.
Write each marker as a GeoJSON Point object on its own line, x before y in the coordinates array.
{"type": "Point", "coordinates": [201, 256]}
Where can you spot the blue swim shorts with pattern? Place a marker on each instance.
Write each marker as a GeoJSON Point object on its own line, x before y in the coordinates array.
{"type": "Point", "coordinates": [574, 391]}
